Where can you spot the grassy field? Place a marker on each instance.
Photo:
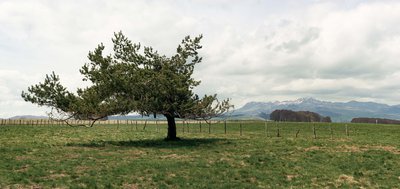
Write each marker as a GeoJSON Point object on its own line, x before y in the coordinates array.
{"type": "Point", "coordinates": [125, 157]}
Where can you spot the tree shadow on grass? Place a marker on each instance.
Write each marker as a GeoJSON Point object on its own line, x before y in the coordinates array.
{"type": "Point", "coordinates": [156, 143]}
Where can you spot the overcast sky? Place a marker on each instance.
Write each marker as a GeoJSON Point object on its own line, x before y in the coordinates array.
{"type": "Point", "coordinates": [337, 50]}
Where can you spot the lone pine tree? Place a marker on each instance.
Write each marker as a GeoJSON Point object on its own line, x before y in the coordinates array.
{"type": "Point", "coordinates": [132, 79]}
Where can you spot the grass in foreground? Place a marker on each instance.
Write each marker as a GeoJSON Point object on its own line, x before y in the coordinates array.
{"type": "Point", "coordinates": [123, 157]}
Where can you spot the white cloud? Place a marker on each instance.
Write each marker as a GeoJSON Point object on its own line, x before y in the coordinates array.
{"type": "Point", "coordinates": [337, 54]}
{"type": "Point", "coordinates": [11, 84]}
{"type": "Point", "coordinates": [253, 50]}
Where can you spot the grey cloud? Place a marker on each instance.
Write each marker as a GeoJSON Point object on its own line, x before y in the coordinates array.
{"type": "Point", "coordinates": [294, 45]}
{"type": "Point", "coordinates": [253, 50]}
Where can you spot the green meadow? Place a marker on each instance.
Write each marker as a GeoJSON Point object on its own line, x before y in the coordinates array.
{"type": "Point", "coordinates": [248, 155]}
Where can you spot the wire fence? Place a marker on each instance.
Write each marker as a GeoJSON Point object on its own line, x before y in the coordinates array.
{"type": "Point", "coordinates": [236, 127]}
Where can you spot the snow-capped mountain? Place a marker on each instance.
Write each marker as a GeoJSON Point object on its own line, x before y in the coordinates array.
{"type": "Point", "coordinates": [338, 111]}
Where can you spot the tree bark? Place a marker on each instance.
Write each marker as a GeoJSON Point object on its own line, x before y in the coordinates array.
{"type": "Point", "coordinates": [171, 128]}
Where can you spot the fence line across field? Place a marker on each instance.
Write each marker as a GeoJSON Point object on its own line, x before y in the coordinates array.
{"type": "Point", "coordinates": [110, 122]}
{"type": "Point", "coordinates": [240, 127]}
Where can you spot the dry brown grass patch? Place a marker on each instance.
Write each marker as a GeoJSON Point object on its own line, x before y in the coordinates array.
{"type": "Point", "coordinates": [354, 148]}
{"type": "Point", "coordinates": [136, 152]}
{"type": "Point", "coordinates": [348, 148]}
{"type": "Point", "coordinates": [20, 158]}
{"type": "Point", "coordinates": [312, 148]}
{"type": "Point", "coordinates": [130, 186]}
{"type": "Point", "coordinates": [291, 177]}
{"type": "Point", "coordinates": [390, 149]}
{"type": "Point", "coordinates": [72, 155]}
{"type": "Point", "coordinates": [23, 168]}
{"type": "Point", "coordinates": [20, 186]}
{"type": "Point", "coordinates": [56, 176]}
{"type": "Point", "coordinates": [174, 156]}
{"type": "Point", "coordinates": [346, 179]}
{"type": "Point", "coordinates": [81, 169]}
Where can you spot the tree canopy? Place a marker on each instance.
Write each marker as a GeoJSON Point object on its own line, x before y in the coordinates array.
{"type": "Point", "coordinates": [132, 79]}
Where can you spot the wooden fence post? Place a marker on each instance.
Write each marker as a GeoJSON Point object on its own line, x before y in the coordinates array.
{"type": "Point", "coordinates": [278, 134]}
{"type": "Point", "coordinates": [266, 128]}
{"type": "Point", "coordinates": [225, 126]}
{"type": "Point", "coordinates": [315, 133]}
{"type": "Point", "coordinates": [347, 130]}
{"type": "Point", "coordinates": [200, 125]}
{"type": "Point", "coordinates": [209, 128]}
{"type": "Point", "coordinates": [136, 124]}
{"type": "Point", "coordinates": [240, 128]}
{"type": "Point", "coordinates": [145, 124]}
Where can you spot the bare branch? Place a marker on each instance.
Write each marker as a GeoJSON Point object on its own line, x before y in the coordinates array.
{"type": "Point", "coordinates": [61, 116]}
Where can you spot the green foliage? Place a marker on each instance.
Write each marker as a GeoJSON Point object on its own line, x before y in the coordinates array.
{"type": "Point", "coordinates": [133, 79]}
{"type": "Point", "coordinates": [50, 93]}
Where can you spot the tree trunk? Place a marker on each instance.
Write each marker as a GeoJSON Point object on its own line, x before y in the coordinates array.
{"type": "Point", "coordinates": [171, 128]}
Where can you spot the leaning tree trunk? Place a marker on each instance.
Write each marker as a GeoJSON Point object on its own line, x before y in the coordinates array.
{"type": "Point", "coordinates": [171, 128]}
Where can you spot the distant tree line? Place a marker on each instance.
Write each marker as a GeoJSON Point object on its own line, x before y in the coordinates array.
{"type": "Point", "coordinates": [300, 116]}
{"type": "Point", "coordinates": [374, 120]}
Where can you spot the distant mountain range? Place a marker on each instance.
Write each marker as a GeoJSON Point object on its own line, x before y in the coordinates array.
{"type": "Point", "coordinates": [338, 111]}
{"type": "Point", "coordinates": [30, 117]}
{"type": "Point", "coordinates": [114, 117]}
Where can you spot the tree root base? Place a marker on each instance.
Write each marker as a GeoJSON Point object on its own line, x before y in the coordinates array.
{"type": "Point", "coordinates": [172, 139]}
